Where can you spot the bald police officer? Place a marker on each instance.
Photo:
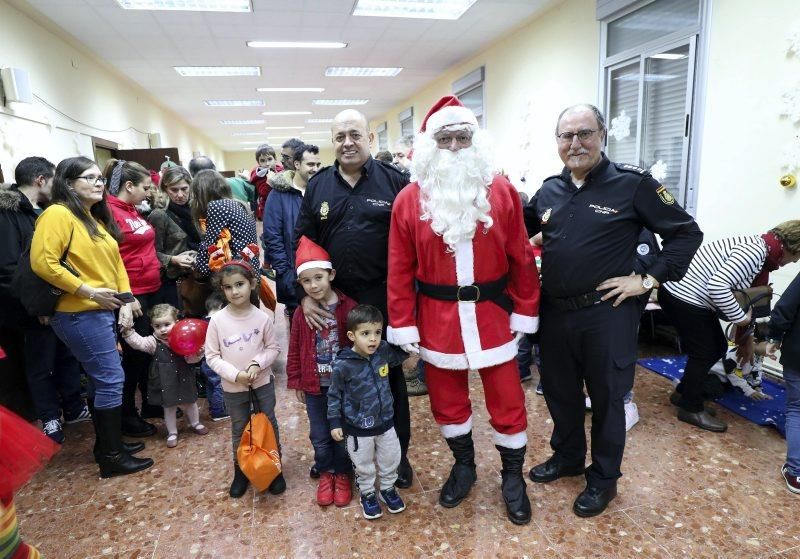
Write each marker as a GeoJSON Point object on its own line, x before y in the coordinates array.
{"type": "Point", "coordinates": [590, 217]}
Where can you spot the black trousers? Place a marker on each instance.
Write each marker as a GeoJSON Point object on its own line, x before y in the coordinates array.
{"type": "Point", "coordinates": [136, 363]}
{"type": "Point", "coordinates": [703, 341]}
{"type": "Point", "coordinates": [397, 381]}
{"type": "Point", "coordinates": [595, 345]}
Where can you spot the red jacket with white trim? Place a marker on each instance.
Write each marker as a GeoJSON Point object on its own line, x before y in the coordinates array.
{"type": "Point", "coordinates": [461, 335]}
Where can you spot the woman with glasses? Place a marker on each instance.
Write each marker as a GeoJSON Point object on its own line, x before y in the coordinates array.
{"type": "Point", "coordinates": [129, 185]}
{"type": "Point", "coordinates": [177, 238]}
{"type": "Point", "coordinates": [74, 248]}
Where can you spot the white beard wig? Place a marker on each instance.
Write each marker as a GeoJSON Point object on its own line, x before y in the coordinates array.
{"type": "Point", "coordinates": [454, 186]}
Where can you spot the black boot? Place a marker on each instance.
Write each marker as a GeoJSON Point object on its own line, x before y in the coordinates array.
{"type": "Point", "coordinates": [240, 482]}
{"type": "Point", "coordinates": [130, 448]}
{"type": "Point", "coordinates": [278, 485]}
{"type": "Point", "coordinates": [462, 475]}
{"type": "Point", "coordinates": [518, 507]}
{"type": "Point", "coordinates": [111, 457]}
{"type": "Point", "coordinates": [405, 474]}
{"type": "Point", "coordinates": [135, 426]}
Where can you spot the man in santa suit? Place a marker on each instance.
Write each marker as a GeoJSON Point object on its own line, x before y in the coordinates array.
{"type": "Point", "coordinates": [462, 287]}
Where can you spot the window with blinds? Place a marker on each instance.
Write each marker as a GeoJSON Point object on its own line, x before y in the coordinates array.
{"type": "Point", "coordinates": [469, 90]}
{"type": "Point", "coordinates": [649, 70]}
{"type": "Point", "coordinates": [383, 137]}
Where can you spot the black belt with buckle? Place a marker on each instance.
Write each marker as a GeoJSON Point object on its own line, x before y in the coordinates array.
{"type": "Point", "coordinates": [477, 292]}
{"type": "Point", "coordinates": [577, 302]}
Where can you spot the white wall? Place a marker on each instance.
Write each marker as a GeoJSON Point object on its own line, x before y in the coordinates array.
{"type": "Point", "coordinates": [744, 136]}
{"type": "Point", "coordinates": [76, 84]}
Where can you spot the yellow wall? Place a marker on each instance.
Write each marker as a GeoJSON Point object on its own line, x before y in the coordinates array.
{"type": "Point", "coordinates": [77, 84]}
{"type": "Point", "coordinates": [237, 160]}
{"type": "Point", "coordinates": [548, 64]}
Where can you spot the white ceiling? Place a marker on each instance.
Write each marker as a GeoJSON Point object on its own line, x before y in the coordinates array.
{"type": "Point", "coordinates": [145, 45]}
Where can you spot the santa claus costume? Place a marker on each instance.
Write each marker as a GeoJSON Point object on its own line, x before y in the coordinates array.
{"type": "Point", "coordinates": [462, 283]}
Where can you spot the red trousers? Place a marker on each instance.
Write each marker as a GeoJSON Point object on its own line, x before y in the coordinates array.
{"type": "Point", "coordinates": [505, 399]}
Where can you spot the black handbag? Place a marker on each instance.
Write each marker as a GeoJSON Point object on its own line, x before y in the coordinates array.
{"type": "Point", "coordinates": [38, 297]}
{"type": "Point", "coordinates": [758, 299]}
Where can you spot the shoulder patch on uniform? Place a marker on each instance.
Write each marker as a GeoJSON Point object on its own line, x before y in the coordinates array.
{"type": "Point", "coordinates": [665, 195]}
{"type": "Point", "coordinates": [630, 168]}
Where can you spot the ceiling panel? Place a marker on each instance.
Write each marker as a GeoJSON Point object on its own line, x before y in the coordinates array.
{"type": "Point", "coordinates": [145, 45]}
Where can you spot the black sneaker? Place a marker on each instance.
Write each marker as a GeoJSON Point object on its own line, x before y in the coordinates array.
{"type": "Point", "coordinates": [52, 428]}
{"type": "Point", "coordinates": [393, 501]}
{"type": "Point", "coordinates": [792, 482]}
{"type": "Point", "coordinates": [83, 415]}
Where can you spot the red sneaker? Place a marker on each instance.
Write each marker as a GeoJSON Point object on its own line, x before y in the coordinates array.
{"type": "Point", "coordinates": [325, 491]}
{"type": "Point", "coordinates": [343, 491]}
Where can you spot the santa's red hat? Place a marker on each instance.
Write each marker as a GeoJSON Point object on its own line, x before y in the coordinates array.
{"type": "Point", "coordinates": [310, 255]}
{"type": "Point", "coordinates": [448, 111]}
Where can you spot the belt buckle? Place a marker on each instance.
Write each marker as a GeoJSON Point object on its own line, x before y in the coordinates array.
{"type": "Point", "coordinates": [463, 299]}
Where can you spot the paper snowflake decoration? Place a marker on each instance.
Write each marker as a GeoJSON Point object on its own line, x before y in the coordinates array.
{"type": "Point", "coordinates": [620, 126]}
{"type": "Point", "coordinates": [793, 40]}
{"type": "Point", "coordinates": [791, 104]}
{"type": "Point", "coordinates": [659, 170]}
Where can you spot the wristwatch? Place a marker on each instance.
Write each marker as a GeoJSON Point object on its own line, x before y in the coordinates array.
{"type": "Point", "coordinates": [648, 282]}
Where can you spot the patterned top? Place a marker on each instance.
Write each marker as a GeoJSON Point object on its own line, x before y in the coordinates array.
{"type": "Point", "coordinates": [232, 215]}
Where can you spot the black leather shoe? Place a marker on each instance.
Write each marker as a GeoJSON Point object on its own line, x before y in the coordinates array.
{"type": "Point", "coordinates": [703, 420]}
{"type": "Point", "coordinates": [313, 473]}
{"type": "Point", "coordinates": [135, 426]}
{"type": "Point", "coordinates": [593, 500]}
{"type": "Point", "coordinates": [675, 400]}
{"type": "Point", "coordinates": [405, 474]}
{"type": "Point", "coordinates": [278, 485]}
{"type": "Point", "coordinates": [554, 469]}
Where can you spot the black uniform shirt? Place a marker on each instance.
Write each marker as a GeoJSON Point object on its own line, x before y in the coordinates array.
{"type": "Point", "coordinates": [591, 233]}
{"type": "Point", "coordinates": [352, 223]}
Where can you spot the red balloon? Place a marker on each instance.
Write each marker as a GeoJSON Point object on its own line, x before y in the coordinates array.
{"type": "Point", "coordinates": [188, 336]}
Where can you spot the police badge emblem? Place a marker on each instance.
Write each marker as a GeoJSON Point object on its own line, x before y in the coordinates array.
{"type": "Point", "coordinates": [546, 215]}
{"type": "Point", "coordinates": [665, 195]}
{"type": "Point", "coordinates": [323, 211]}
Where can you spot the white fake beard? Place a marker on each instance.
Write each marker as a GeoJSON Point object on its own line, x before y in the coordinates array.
{"type": "Point", "coordinates": [454, 188]}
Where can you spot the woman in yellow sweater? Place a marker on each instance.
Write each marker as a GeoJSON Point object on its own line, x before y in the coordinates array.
{"type": "Point", "coordinates": [80, 223]}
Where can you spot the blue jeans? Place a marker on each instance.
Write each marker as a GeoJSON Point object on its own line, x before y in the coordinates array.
{"type": "Point", "coordinates": [92, 338]}
{"type": "Point", "coordinates": [329, 456]}
{"type": "Point", "coordinates": [792, 380]}
{"type": "Point", "coordinates": [525, 355]}
{"type": "Point", "coordinates": [53, 373]}
{"type": "Point", "coordinates": [216, 402]}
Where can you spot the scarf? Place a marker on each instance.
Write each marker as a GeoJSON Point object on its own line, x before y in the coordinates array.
{"type": "Point", "coordinates": [773, 261]}
{"type": "Point", "coordinates": [184, 215]}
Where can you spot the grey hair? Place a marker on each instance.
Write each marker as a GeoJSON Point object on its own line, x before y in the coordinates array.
{"type": "Point", "coordinates": [601, 120]}
{"type": "Point", "coordinates": [407, 141]}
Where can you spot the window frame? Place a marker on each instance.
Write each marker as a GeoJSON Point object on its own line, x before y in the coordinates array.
{"type": "Point", "coordinates": [696, 36]}
{"type": "Point", "coordinates": [469, 83]}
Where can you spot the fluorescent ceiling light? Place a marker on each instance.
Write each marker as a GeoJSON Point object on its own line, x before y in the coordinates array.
{"type": "Point", "coordinates": [252, 121]}
{"type": "Point", "coordinates": [426, 9]}
{"type": "Point", "coordinates": [295, 45]}
{"type": "Point", "coordinates": [361, 72]}
{"type": "Point", "coordinates": [669, 56]}
{"type": "Point", "coordinates": [319, 120]}
{"type": "Point", "coordinates": [340, 101]}
{"type": "Point", "coordinates": [234, 103]}
{"type": "Point", "coordinates": [279, 89]}
{"type": "Point", "coordinates": [188, 5]}
{"type": "Point", "coordinates": [217, 71]}
{"type": "Point", "coordinates": [285, 113]}
{"type": "Point", "coordinates": [315, 132]}
{"type": "Point", "coordinates": [254, 143]}
{"type": "Point", "coordinates": [284, 127]}
{"type": "Point", "coordinates": [249, 134]}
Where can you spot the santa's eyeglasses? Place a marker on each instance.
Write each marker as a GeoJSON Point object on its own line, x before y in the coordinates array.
{"type": "Point", "coordinates": [446, 140]}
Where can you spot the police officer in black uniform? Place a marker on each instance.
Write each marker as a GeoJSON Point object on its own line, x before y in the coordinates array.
{"type": "Point", "coordinates": [346, 210]}
{"type": "Point", "coordinates": [590, 217]}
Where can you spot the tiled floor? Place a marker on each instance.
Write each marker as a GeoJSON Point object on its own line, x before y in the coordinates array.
{"type": "Point", "coordinates": [685, 493]}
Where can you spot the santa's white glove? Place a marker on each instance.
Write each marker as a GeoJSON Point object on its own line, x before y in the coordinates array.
{"type": "Point", "coordinates": [517, 336]}
{"type": "Point", "coordinates": [410, 348]}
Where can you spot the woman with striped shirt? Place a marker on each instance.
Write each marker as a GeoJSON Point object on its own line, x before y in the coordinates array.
{"type": "Point", "coordinates": [692, 304]}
